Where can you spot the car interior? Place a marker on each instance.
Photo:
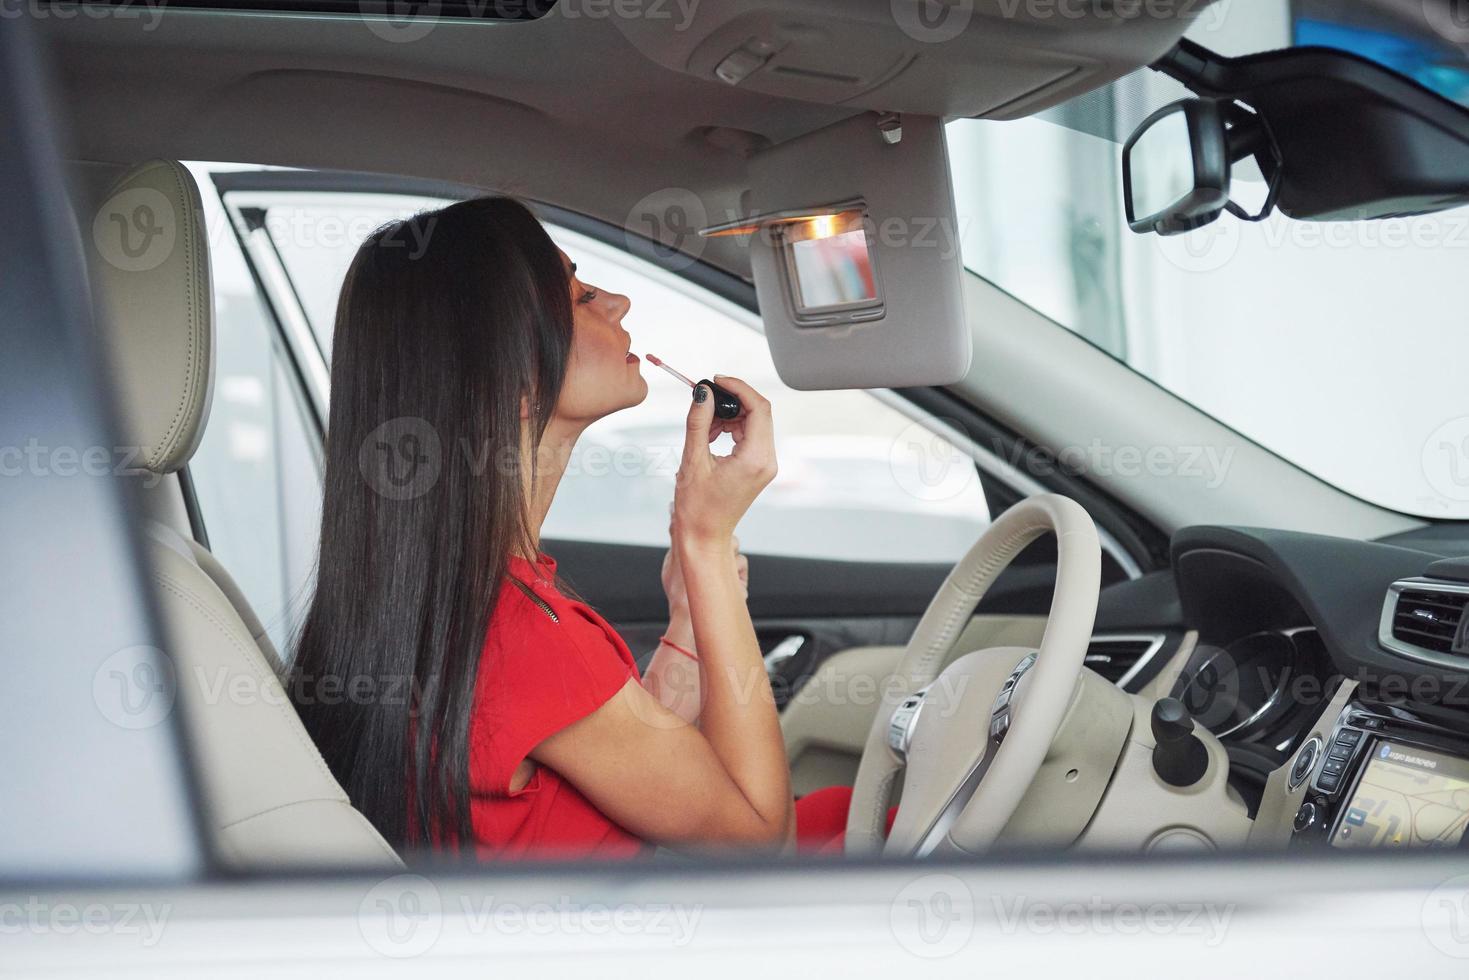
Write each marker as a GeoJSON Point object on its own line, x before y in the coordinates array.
{"type": "Point", "coordinates": [1018, 581]}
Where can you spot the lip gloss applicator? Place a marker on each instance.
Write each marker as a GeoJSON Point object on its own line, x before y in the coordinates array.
{"type": "Point", "coordinates": [726, 405]}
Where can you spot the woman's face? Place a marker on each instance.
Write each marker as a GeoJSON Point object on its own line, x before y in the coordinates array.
{"type": "Point", "coordinates": [602, 375]}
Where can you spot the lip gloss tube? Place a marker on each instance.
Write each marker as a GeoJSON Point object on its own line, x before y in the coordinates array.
{"type": "Point", "coordinates": [726, 404]}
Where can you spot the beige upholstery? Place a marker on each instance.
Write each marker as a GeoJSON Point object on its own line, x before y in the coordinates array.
{"type": "Point", "coordinates": [272, 802]}
{"type": "Point", "coordinates": [150, 263]}
{"type": "Point", "coordinates": [225, 582]}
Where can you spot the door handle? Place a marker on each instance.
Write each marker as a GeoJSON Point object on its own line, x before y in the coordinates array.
{"type": "Point", "coordinates": [782, 652]}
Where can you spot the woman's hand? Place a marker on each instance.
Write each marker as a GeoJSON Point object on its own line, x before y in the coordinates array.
{"type": "Point", "coordinates": [713, 492]}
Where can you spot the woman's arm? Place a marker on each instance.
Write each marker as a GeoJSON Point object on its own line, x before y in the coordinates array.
{"type": "Point", "coordinates": [726, 782]}
{"type": "Point", "coordinates": [672, 677]}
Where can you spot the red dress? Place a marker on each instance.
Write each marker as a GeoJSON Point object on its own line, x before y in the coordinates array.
{"type": "Point", "coordinates": [536, 677]}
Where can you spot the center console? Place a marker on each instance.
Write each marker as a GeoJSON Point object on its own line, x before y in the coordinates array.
{"type": "Point", "coordinates": [1385, 777]}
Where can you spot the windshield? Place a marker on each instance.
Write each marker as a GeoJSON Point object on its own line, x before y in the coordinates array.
{"type": "Point", "coordinates": [1339, 346]}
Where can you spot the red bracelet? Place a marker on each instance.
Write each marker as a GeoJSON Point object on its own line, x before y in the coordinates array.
{"type": "Point", "coordinates": [687, 653]}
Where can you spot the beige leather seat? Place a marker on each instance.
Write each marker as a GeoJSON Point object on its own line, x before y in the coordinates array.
{"type": "Point", "coordinates": [272, 802]}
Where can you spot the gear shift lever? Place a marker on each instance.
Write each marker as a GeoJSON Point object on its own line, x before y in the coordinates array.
{"type": "Point", "coordinates": [1179, 757]}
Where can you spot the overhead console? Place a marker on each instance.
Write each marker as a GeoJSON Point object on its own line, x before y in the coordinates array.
{"type": "Point", "coordinates": [994, 58]}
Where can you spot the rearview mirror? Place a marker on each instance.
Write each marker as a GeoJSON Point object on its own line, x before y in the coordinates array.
{"type": "Point", "coordinates": [1176, 169]}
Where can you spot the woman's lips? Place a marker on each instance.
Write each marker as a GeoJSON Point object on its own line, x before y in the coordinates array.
{"type": "Point", "coordinates": [632, 358]}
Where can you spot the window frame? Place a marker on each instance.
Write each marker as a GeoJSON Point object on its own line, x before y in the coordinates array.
{"type": "Point", "coordinates": [1001, 480]}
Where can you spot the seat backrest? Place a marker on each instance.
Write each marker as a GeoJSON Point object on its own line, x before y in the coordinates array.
{"type": "Point", "coordinates": [272, 802]}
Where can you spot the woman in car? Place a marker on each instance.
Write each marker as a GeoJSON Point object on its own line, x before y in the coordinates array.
{"type": "Point", "coordinates": [464, 700]}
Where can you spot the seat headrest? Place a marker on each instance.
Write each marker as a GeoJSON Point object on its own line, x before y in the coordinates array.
{"type": "Point", "coordinates": [149, 255]}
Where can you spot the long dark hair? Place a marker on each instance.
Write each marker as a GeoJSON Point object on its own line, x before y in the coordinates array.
{"type": "Point", "coordinates": [446, 321]}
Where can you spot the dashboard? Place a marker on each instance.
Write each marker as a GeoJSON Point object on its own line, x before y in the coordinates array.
{"type": "Point", "coordinates": [1339, 668]}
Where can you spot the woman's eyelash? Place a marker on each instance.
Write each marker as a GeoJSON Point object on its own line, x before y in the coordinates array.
{"type": "Point", "coordinates": [588, 296]}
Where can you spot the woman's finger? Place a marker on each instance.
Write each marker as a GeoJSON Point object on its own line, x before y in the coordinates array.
{"type": "Point", "coordinates": [750, 399]}
{"type": "Point", "coordinates": [755, 422]}
{"type": "Point", "coordinates": [696, 435]}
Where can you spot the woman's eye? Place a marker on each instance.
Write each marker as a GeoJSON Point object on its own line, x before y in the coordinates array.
{"type": "Point", "coordinates": [588, 296]}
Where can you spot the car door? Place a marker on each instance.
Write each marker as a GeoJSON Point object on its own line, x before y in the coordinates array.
{"type": "Point", "coordinates": [876, 497]}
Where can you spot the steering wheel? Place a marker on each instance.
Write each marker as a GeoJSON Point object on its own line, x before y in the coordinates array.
{"type": "Point", "coordinates": [973, 737]}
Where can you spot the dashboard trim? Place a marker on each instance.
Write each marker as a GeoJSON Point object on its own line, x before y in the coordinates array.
{"type": "Point", "coordinates": [1155, 641]}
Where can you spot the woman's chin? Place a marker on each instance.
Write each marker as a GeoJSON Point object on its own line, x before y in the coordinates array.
{"type": "Point", "coordinates": [640, 391]}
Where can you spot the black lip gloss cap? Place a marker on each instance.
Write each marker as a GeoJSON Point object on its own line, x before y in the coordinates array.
{"type": "Point", "coordinates": [726, 405]}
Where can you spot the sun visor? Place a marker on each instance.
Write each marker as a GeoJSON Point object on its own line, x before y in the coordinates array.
{"type": "Point", "coordinates": [854, 248]}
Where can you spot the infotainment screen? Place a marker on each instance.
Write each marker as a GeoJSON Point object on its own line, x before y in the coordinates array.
{"type": "Point", "coordinates": [1407, 797]}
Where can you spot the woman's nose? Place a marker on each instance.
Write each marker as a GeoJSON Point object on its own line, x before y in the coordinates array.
{"type": "Point", "coordinates": [620, 304]}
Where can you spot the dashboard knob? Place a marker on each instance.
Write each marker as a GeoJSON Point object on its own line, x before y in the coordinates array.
{"type": "Point", "coordinates": [1179, 757]}
{"type": "Point", "coordinates": [1305, 817]}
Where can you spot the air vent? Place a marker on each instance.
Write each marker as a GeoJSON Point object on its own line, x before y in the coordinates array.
{"type": "Point", "coordinates": [1428, 617]}
{"type": "Point", "coordinates": [1120, 658]}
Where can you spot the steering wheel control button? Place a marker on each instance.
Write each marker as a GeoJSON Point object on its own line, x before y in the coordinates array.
{"type": "Point", "coordinates": [1306, 818]}
{"type": "Point", "coordinates": [902, 723]}
{"type": "Point", "coordinates": [1002, 700]}
{"type": "Point", "coordinates": [999, 726]}
{"type": "Point", "coordinates": [1305, 761]}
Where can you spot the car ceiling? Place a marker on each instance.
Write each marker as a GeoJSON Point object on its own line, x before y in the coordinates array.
{"type": "Point", "coordinates": [590, 113]}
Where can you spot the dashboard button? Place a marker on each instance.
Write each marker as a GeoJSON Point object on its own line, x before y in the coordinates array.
{"type": "Point", "coordinates": [1328, 782]}
{"type": "Point", "coordinates": [1305, 817]}
{"type": "Point", "coordinates": [1348, 736]}
{"type": "Point", "coordinates": [1340, 751]}
{"type": "Point", "coordinates": [1305, 760]}
{"type": "Point", "coordinates": [1333, 767]}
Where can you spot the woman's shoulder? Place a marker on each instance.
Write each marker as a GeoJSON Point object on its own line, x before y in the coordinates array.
{"type": "Point", "coordinates": [534, 620]}
{"type": "Point", "coordinates": [542, 662]}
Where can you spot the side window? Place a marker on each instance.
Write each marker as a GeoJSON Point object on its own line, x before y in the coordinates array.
{"type": "Point", "coordinates": [859, 479]}
{"type": "Point", "coordinates": [257, 472]}
{"type": "Point", "coordinates": [316, 235]}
